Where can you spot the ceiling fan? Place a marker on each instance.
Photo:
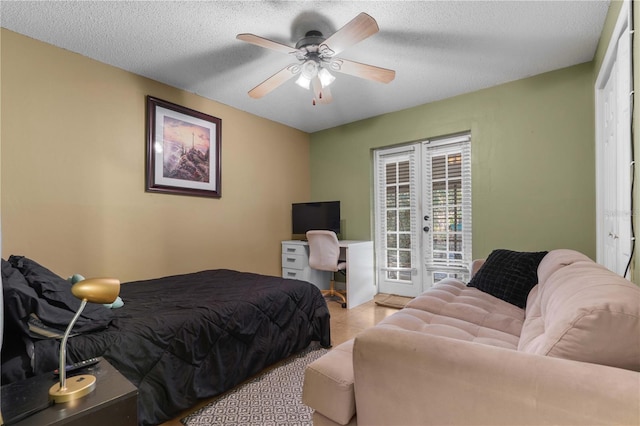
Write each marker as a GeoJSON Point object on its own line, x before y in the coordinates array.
{"type": "Point", "coordinates": [316, 57]}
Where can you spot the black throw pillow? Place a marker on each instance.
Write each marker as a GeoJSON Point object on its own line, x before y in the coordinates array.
{"type": "Point", "coordinates": [509, 275]}
{"type": "Point", "coordinates": [51, 298]}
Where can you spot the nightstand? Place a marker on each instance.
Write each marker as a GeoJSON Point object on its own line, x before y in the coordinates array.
{"type": "Point", "coordinates": [114, 400]}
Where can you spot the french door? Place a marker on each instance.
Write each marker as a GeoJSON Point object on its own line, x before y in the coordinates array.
{"type": "Point", "coordinates": [422, 214]}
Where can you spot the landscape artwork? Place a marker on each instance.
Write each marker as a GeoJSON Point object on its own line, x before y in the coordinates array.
{"type": "Point", "coordinates": [183, 150]}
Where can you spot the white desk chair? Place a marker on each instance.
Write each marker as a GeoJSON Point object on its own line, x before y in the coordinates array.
{"type": "Point", "coordinates": [324, 255]}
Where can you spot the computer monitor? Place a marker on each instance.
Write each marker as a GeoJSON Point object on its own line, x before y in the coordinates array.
{"type": "Point", "coordinates": [321, 215]}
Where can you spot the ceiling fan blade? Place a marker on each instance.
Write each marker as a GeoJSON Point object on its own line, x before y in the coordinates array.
{"type": "Point", "coordinates": [274, 81]}
{"type": "Point", "coordinates": [356, 30]}
{"type": "Point", "coordinates": [266, 43]}
{"type": "Point", "coordinates": [322, 95]}
{"type": "Point", "coordinates": [357, 69]}
{"type": "Point", "coordinates": [327, 97]}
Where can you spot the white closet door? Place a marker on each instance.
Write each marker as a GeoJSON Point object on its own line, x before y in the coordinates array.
{"type": "Point", "coordinates": [613, 152]}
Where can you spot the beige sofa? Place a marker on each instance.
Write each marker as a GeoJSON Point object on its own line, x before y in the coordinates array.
{"type": "Point", "coordinates": [458, 356]}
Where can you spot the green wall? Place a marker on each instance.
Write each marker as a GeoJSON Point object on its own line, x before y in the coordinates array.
{"type": "Point", "coordinates": [533, 163]}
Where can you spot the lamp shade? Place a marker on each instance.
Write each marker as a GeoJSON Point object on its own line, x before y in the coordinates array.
{"type": "Point", "coordinates": [97, 290]}
{"type": "Point", "coordinates": [303, 81]}
{"type": "Point", "coordinates": [325, 77]}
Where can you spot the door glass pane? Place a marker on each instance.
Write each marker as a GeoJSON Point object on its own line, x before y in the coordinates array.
{"type": "Point", "coordinates": [439, 255]}
{"type": "Point", "coordinates": [439, 242]}
{"type": "Point", "coordinates": [391, 173]}
{"type": "Point", "coordinates": [404, 217]}
{"type": "Point", "coordinates": [405, 241]}
{"type": "Point", "coordinates": [391, 197]}
{"type": "Point", "coordinates": [391, 220]}
{"type": "Point", "coordinates": [404, 174]}
{"type": "Point", "coordinates": [455, 242]}
{"type": "Point", "coordinates": [439, 193]}
{"type": "Point", "coordinates": [438, 165]}
{"type": "Point", "coordinates": [455, 165]}
{"type": "Point", "coordinates": [404, 276]}
{"type": "Point", "coordinates": [455, 191]}
{"type": "Point", "coordinates": [440, 219]}
{"type": "Point", "coordinates": [441, 275]}
{"type": "Point", "coordinates": [392, 258]}
{"type": "Point", "coordinates": [405, 259]}
{"type": "Point", "coordinates": [404, 196]}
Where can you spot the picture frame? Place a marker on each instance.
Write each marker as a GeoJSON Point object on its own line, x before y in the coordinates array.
{"type": "Point", "coordinates": [183, 150]}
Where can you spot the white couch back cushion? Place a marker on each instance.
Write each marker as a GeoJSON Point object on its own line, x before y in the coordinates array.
{"type": "Point", "coordinates": [582, 311]}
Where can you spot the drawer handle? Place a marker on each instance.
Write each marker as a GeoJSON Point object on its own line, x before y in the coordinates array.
{"type": "Point", "coordinates": [290, 249]}
{"type": "Point", "coordinates": [289, 259]}
{"type": "Point", "coordinates": [291, 274]}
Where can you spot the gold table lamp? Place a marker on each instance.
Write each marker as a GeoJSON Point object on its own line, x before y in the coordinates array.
{"type": "Point", "coordinates": [94, 290]}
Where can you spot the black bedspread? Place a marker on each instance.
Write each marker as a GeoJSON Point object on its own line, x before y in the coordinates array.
{"type": "Point", "coordinates": [187, 337]}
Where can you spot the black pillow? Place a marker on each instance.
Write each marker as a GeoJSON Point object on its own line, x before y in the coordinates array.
{"type": "Point", "coordinates": [49, 297]}
{"type": "Point", "coordinates": [17, 295]}
{"type": "Point", "coordinates": [509, 275]}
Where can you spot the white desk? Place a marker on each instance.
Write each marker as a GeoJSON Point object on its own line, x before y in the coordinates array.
{"type": "Point", "coordinates": [360, 282]}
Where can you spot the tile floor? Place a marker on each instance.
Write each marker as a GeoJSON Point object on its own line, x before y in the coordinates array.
{"type": "Point", "coordinates": [345, 324]}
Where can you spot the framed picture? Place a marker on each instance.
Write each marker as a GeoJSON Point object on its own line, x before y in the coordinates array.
{"type": "Point", "coordinates": [183, 150]}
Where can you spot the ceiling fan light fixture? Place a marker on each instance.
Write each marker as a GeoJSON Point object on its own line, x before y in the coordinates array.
{"type": "Point", "coordinates": [303, 81]}
{"type": "Point", "coordinates": [309, 72]}
{"type": "Point", "coordinates": [326, 78]}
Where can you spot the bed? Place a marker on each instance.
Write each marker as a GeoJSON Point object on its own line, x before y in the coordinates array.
{"type": "Point", "coordinates": [178, 339]}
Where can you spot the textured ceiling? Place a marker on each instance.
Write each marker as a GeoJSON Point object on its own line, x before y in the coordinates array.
{"type": "Point", "coordinates": [438, 49]}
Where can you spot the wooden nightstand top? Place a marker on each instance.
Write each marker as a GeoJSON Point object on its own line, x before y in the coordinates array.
{"type": "Point", "coordinates": [114, 400]}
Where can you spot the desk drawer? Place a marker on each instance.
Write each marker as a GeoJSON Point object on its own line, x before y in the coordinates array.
{"type": "Point", "coordinates": [293, 249]}
{"type": "Point", "coordinates": [293, 261]}
{"type": "Point", "coordinates": [294, 274]}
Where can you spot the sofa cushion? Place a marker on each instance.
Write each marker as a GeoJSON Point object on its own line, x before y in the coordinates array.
{"type": "Point", "coordinates": [328, 384]}
{"type": "Point", "coordinates": [441, 325]}
{"type": "Point", "coordinates": [452, 298]}
{"type": "Point", "coordinates": [508, 275]}
{"type": "Point", "coordinates": [585, 312]}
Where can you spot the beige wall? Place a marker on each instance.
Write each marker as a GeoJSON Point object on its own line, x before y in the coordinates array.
{"type": "Point", "coordinates": [72, 174]}
{"type": "Point", "coordinates": [532, 159]}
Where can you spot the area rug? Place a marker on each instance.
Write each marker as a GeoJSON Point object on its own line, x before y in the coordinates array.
{"type": "Point", "coordinates": [271, 398]}
{"type": "Point", "coordinates": [391, 300]}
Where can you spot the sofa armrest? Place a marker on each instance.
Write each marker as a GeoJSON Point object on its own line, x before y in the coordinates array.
{"type": "Point", "coordinates": [475, 266]}
{"type": "Point", "coordinates": [412, 378]}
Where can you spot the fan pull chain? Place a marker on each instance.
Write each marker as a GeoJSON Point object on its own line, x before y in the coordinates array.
{"type": "Point", "coordinates": [313, 102]}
